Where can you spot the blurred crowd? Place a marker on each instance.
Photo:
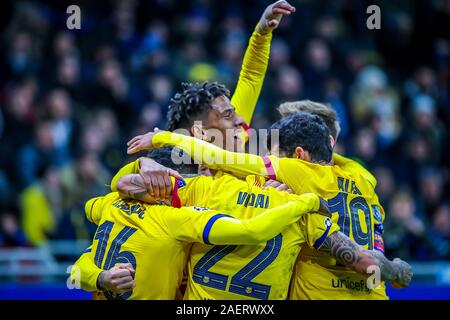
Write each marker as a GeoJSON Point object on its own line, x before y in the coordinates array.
{"type": "Point", "coordinates": [70, 99]}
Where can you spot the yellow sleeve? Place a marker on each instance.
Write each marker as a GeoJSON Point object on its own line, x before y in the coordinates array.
{"type": "Point", "coordinates": [252, 75]}
{"type": "Point", "coordinates": [211, 227]}
{"type": "Point", "coordinates": [92, 209]}
{"type": "Point", "coordinates": [316, 229]}
{"type": "Point", "coordinates": [96, 207]}
{"type": "Point", "coordinates": [240, 164]}
{"type": "Point", "coordinates": [351, 165]}
{"type": "Point", "coordinates": [130, 168]}
{"type": "Point", "coordinates": [261, 228]}
{"type": "Point", "coordinates": [85, 272]}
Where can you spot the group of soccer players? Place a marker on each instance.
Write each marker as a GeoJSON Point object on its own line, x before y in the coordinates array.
{"type": "Point", "coordinates": [300, 223]}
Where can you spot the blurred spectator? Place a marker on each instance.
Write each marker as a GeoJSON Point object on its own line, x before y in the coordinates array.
{"type": "Point", "coordinates": [22, 57]}
{"type": "Point", "coordinates": [68, 77]}
{"type": "Point", "coordinates": [63, 126]}
{"type": "Point", "coordinates": [440, 232]}
{"type": "Point", "coordinates": [11, 234]}
{"type": "Point", "coordinates": [431, 187]}
{"type": "Point", "coordinates": [41, 206]}
{"type": "Point", "coordinates": [426, 124]}
{"type": "Point", "coordinates": [80, 181]}
{"type": "Point", "coordinates": [365, 147]}
{"type": "Point", "coordinates": [317, 66]}
{"type": "Point", "coordinates": [64, 46]}
{"type": "Point", "coordinates": [37, 153]}
{"type": "Point", "coordinates": [404, 227]}
{"type": "Point", "coordinates": [161, 89]}
{"type": "Point", "coordinates": [385, 184]}
{"type": "Point", "coordinates": [19, 113]}
{"type": "Point", "coordinates": [371, 95]}
{"type": "Point", "coordinates": [333, 95]}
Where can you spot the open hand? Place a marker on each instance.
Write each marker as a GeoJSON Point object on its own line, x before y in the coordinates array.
{"type": "Point", "coordinates": [142, 142]}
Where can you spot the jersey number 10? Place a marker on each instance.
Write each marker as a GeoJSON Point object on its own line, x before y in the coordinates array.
{"type": "Point", "coordinates": [348, 211]}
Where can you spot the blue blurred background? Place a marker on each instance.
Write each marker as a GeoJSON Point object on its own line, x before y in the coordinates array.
{"type": "Point", "coordinates": [70, 99]}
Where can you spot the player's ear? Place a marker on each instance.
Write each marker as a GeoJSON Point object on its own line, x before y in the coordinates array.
{"type": "Point", "coordinates": [332, 141]}
{"type": "Point", "coordinates": [301, 153]}
{"type": "Point", "coordinates": [197, 131]}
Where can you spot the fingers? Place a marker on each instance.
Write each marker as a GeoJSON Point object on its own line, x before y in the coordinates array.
{"type": "Point", "coordinates": [273, 23]}
{"type": "Point", "coordinates": [161, 186]}
{"type": "Point", "coordinates": [284, 5]}
{"type": "Point", "coordinates": [121, 276]}
{"type": "Point", "coordinates": [282, 187]}
{"type": "Point", "coordinates": [154, 181]}
{"type": "Point", "coordinates": [132, 141]}
{"type": "Point", "coordinates": [175, 174]}
{"type": "Point", "coordinates": [148, 184]}
{"type": "Point", "coordinates": [128, 286]}
{"type": "Point", "coordinates": [123, 284]}
{"type": "Point", "coordinates": [168, 185]}
{"type": "Point", "coordinates": [281, 11]}
{"type": "Point", "coordinates": [127, 266]}
{"type": "Point", "coordinates": [271, 183]}
{"type": "Point", "coordinates": [142, 142]}
{"type": "Point", "coordinates": [121, 279]}
{"type": "Point", "coordinates": [134, 147]}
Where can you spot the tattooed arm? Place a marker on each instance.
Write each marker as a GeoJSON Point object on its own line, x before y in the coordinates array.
{"type": "Point", "coordinates": [132, 186]}
{"type": "Point", "coordinates": [355, 257]}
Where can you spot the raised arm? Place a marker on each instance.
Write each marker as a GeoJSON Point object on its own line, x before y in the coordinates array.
{"type": "Point", "coordinates": [240, 164]}
{"type": "Point", "coordinates": [355, 257]}
{"type": "Point", "coordinates": [256, 59]}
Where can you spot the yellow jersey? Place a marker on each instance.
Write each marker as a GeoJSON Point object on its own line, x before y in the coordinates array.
{"type": "Point", "coordinates": [133, 232]}
{"type": "Point", "coordinates": [350, 197]}
{"type": "Point", "coordinates": [246, 272]}
{"type": "Point", "coordinates": [245, 199]}
{"type": "Point", "coordinates": [128, 232]}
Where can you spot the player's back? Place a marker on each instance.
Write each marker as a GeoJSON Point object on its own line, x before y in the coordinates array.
{"type": "Point", "coordinates": [247, 272]}
{"type": "Point", "coordinates": [351, 200]}
{"type": "Point", "coordinates": [129, 231]}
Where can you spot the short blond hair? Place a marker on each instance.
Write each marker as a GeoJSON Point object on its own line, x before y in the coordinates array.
{"type": "Point", "coordinates": [325, 111]}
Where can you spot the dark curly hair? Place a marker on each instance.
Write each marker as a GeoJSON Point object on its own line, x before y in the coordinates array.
{"type": "Point", "coordinates": [193, 102]}
{"type": "Point", "coordinates": [165, 156]}
{"type": "Point", "coordinates": [301, 129]}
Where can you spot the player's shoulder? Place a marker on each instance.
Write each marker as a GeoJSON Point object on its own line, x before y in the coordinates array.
{"type": "Point", "coordinates": [354, 167]}
{"type": "Point", "coordinates": [101, 201]}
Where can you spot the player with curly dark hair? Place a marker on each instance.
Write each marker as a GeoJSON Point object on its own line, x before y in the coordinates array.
{"type": "Point", "coordinates": [201, 107]}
